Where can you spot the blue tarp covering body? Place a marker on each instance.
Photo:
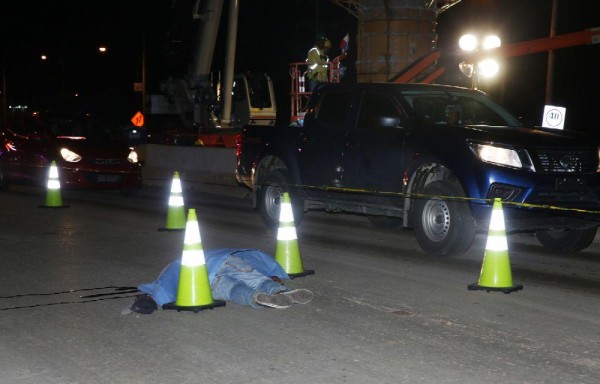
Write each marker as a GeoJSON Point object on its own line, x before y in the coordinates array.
{"type": "Point", "coordinates": [164, 289]}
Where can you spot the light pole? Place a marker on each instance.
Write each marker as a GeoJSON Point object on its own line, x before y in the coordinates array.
{"type": "Point", "coordinates": [479, 61]}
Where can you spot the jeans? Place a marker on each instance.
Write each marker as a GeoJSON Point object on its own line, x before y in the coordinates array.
{"type": "Point", "coordinates": [238, 281]}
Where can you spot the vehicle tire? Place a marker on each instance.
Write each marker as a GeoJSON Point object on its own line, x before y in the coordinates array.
{"type": "Point", "coordinates": [566, 240]}
{"type": "Point", "coordinates": [443, 227]}
{"type": "Point", "coordinates": [385, 221]}
{"type": "Point", "coordinates": [270, 195]}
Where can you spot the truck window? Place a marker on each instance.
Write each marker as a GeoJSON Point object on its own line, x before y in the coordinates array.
{"type": "Point", "coordinates": [333, 108]}
{"type": "Point", "coordinates": [475, 109]}
{"type": "Point", "coordinates": [258, 88]}
{"type": "Point", "coordinates": [377, 110]}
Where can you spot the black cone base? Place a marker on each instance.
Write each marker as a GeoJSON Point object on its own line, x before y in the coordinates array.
{"type": "Point", "coordinates": [507, 290]}
{"type": "Point", "coordinates": [196, 308]}
{"type": "Point", "coordinates": [54, 206]}
{"type": "Point", "coordinates": [302, 274]}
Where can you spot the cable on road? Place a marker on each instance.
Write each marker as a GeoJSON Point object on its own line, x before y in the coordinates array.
{"type": "Point", "coordinates": [66, 302]}
{"type": "Point", "coordinates": [69, 291]}
{"type": "Point", "coordinates": [117, 293]}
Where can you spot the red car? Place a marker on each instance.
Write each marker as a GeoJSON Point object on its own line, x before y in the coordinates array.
{"type": "Point", "coordinates": [89, 155]}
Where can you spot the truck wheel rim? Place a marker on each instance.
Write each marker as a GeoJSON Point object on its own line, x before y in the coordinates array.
{"type": "Point", "coordinates": [273, 201]}
{"type": "Point", "coordinates": [436, 219]}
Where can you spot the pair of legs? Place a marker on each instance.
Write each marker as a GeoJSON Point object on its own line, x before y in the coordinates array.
{"type": "Point", "coordinates": [238, 281]}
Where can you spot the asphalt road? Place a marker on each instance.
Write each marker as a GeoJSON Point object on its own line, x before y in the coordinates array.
{"type": "Point", "coordinates": [383, 311]}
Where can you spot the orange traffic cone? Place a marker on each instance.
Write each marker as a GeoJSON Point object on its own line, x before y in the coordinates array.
{"type": "Point", "coordinates": [495, 271]}
{"type": "Point", "coordinates": [287, 252]}
{"type": "Point", "coordinates": [53, 195]}
{"type": "Point", "coordinates": [193, 290]}
{"type": "Point", "coordinates": [176, 212]}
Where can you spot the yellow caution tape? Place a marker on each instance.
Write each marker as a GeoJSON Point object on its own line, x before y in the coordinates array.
{"type": "Point", "coordinates": [455, 198]}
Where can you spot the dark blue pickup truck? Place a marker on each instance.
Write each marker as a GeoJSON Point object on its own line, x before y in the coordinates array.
{"type": "Point", "coordinates": [428, 157]}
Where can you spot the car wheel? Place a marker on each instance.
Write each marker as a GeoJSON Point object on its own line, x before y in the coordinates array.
{"type": "Point", "coordinates": [566, 240]}
{"type": "Point", "coordinates": [443, 227]}
{"type": "Point", "coordinates": [270, 195]}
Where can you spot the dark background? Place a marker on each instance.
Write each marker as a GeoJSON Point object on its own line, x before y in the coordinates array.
{"type": "Point", "coordinates": [271, 34]}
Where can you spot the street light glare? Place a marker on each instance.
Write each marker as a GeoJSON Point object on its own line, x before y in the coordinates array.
{"type": "Point", "coordinates": [490, 42]}
{"type": "Point", "coordinates": [102, 49]}
{"type": "Point", "coordinates": [468, 42]}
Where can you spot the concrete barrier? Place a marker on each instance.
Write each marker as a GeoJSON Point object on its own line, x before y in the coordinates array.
{"type": "Point", "coordinates": [194, 159]}
{"type": "Point", "coordinates": [207, 169]}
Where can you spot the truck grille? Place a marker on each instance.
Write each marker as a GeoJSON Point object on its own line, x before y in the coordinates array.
{"type": "Point", "coordinates": [567, 161]}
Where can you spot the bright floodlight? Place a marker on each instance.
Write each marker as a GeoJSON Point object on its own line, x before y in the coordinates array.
{"type": "Point", "coordinates": [468, 42]}
{"type": "Point", "coordinates": [102, 49]}
{"type": "Point", "coordinates": [488, 67]}
{"type": "Point", "coordinates": [491, 41]}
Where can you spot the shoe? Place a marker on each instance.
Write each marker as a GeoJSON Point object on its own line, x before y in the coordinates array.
{"type": "Point", "coordinates": [300, 296]}
{"type": "Point", "coordinates": [273, 301]}
{"type": "Point", "coordinates": [143, 304]}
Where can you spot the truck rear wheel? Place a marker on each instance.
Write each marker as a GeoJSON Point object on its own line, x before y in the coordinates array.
{"type": "Point", "coordinates": [270, 195]}
{"type": "Point", "coordinates": [566, 240]}
{"type": "Point", "coordinates": [443, 227]}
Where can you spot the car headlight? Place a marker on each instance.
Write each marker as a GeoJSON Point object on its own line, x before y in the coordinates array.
{"type": "Point", "coordinates": [69, 155]}
{"type": "Point", "coordinates": [133, 157]}
{"type": "Point", "coordinates": [495, 154]}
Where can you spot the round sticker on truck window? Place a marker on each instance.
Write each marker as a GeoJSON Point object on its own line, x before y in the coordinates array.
{"type": "Point", "coordinates": [554, 117]}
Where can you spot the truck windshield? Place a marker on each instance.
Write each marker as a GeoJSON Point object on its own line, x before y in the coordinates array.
{"type": "Point", "coordinates": [458, 108]}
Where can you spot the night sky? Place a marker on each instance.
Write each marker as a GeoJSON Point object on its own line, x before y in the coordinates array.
{"type": "Point", "coordinates": [271, 34]}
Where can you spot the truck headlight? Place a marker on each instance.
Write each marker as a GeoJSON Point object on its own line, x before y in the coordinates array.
{"type": "Point", "coordinates": [69, 155]}
{"type": "Point", "coordinates": [495, 154]}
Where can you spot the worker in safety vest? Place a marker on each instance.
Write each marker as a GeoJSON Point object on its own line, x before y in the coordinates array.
{"type": "Point", "coordinates": [318, 62]}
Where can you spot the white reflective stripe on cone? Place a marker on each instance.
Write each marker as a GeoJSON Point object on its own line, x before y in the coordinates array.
{"type": "Point", "coordinates": [286, 215]}
{"type": "Point", "coordinates": [192, 257]}
{"type": "Point", "coordinates": [53, 184]}
{"type": "Point", "coordinates": [496, 243]}
{"type": "Point", "coordinates": [286, 233]}
{"type": "Point", "coordinates": [497, 220]}
{"type": "Point", "coordinates": [176, 200]}
{"type": "Point", "coordinates": [176, 185]}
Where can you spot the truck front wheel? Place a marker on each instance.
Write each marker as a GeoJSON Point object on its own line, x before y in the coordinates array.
{"type": "Point", "coordinates": [566, 240]}
{"type": "Point", "coordinates": [270, 195]}
{"type": "Point", "coordinates": [443, 226]}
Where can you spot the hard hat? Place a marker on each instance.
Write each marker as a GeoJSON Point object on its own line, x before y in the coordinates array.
{"type": "Point", "coordinates": [327, 43]}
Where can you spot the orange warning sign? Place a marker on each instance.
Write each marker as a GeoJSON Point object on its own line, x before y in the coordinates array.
{"type": "Point", "coordinates": [138, 119]}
